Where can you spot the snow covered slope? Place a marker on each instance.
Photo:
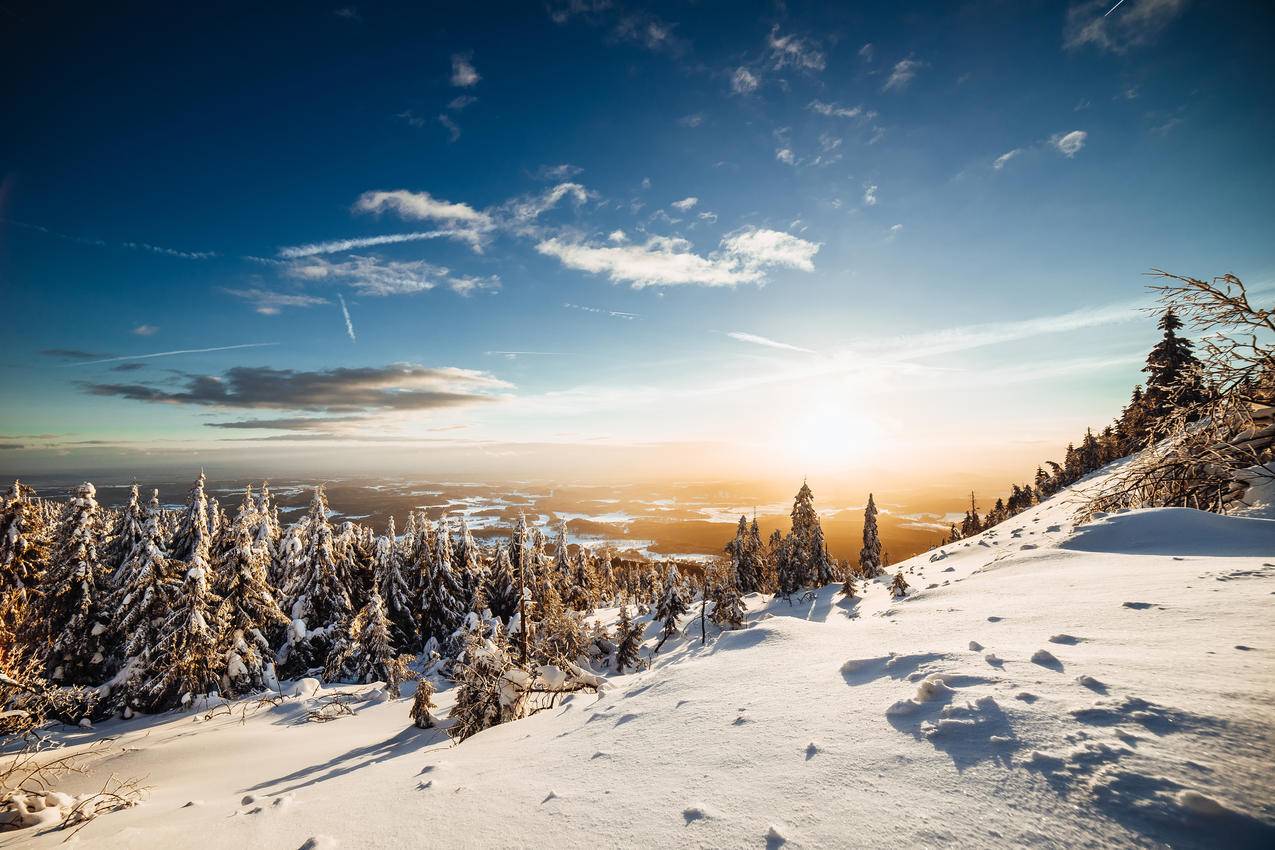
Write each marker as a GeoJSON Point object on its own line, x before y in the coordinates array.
{"type": "Point", "coordinates": [1112, 685]}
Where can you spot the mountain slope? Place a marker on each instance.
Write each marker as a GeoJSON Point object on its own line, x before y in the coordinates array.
{"type": "Point", "coordinates": [1104, 686]}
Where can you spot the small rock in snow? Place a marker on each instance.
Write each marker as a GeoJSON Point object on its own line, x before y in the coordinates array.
{"type": "Point", "coordinates": [812, 749]}
{"type": "Point", "coordinates": [975, 646]}
{"type": "Point", "coordinates": [694, 813]}
{"type": "Point", "coordinates": [775, 837]}
{"type": "Point", "coordinates": [1092, 684]}
{"type": "Point", "coordinates": [191, 803]}
{"type": "Point", "coordinates": [1064, 638]}
{"type": "Point", "coordinates": [319, 842]}
{"type": "Point", "coordinates": [248, 800]}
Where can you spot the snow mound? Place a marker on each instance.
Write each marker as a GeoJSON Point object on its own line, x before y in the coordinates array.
{"type": "Point", "coordinates": [1175, 531]}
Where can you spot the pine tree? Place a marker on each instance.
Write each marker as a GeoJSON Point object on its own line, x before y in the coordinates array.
{"type": "Point", "coordinates": [628, 640]}
{"type": "Point", "coordinates": [468, 565]}
{"type": "Point", "coordinates": [501, 590]}
{"type": "Point", "coordinates": [128, 533]}
{"type": "Point", "coordinates": [899, 587]}
{"type": "Point", "coordinates": [848, 586]}
{"type": "Point", "coordinates": [76, 592]}
{"type": "Point", "coordinates": [319, 589]}
{"type": "Point", "coordinates": [728, 605]}
{"type": "Point", "coordinates": [192, 537]}
{"type": "Point", "coordinates": [672, 607]}
{"type": "Point", "coordinates": [249, 607]}
{"type": "Point", "coordinates": [186, 662]}
{"type": "Point", "coordinates": [1172, 374]}
{"type": "Point", "coordinates": [442, 601]}
{"type": "Point", "coordinates": [266, 532]}
{"type": "Point", "coordinates": [372, 656]}
{"type": "Point", "coordinates": [484, 695]}
{"type": "Point", "coordinates": [558, 634]}
{"type": "Point", "coordinates": [146, 597]}
{"type": "Point", "coordinates": [396, 594]}
{"type": "Point", "coordinates": [422, 704]}
{"type": "Point", "coordinates": [870, 554]}
{"type": "Point", "coordinates": [24, 540]}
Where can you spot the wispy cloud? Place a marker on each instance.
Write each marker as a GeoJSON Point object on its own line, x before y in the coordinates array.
{"type": "Point", "coordinates": [373, 276]}
{"type": "Point", "coordinates": [173, 353]}
{"type": "Point", "coordinates": [792, 51]}
{"type": "Point", "coordinates": [1069, 144]}
{"type": "Point", "coordinates": [102, 243]}
{"type": "Point", "coordinates": [870, 195]}
{"type": "Point", "coordinates": [422, 206]}
{"type": "Point", "coordinates": [693, 120]}
{"type": "Point", "coordinates": [902, 74]}
{"type": "Point", "coordinates": [1003, 159]}
{"type": "Point", "coordinates": [269, 303]}
{"type": "Point", "coordinates": [1118, 27]}
{"type": "Point", "coordinates": [345, 311]}
{"type": "Point", "coordinates": [453, 129]}
{"type": "Point", "coordinates": [145, 330]}
{"type": "Point", "coordinates": [767, 342]}
{"type": "Point", "coordinates": [743, 81]}
{"type": "Point", "coordinates": [743, 257]}
{"type": "Point", "coordinates": [615, 314]}
{"type": "Point", "coordinates": [686, 204]}
{"type": "Point", "coordinates": [463, 73]}
{"type": "Point", "coordinates": [834, 110]}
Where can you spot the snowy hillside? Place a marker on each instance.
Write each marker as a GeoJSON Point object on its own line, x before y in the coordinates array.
{"type": "Point", "coordinates": [1111, 685]}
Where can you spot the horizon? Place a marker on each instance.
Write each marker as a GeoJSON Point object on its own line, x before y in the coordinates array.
{"type": "Point", "coordinates": [603, 243]}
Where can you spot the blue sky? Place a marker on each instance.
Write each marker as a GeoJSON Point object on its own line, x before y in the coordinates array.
{"type": "Point", "coordinates": [710, 235]}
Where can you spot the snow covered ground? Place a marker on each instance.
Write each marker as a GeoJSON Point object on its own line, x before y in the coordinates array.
{"type": "Point", "coordinates": [1111, 685]}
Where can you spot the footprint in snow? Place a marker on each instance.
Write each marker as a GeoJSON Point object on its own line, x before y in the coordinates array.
{"type": "Point", "coordinates": [553, 795]}
{"type": "Point", "coordinates": [1138, 606]}
{"type": "Point", "coordinates": [812, 750]}
{"type": "Point", "coordinates": [1092, 684]}
{"type": "Point", "coordinates": [775, 838]}
{"type": "Point", "coordinates": [694, 813]}
{"type": "Point", "coordinates": [994, 660]}
{"type": "Point", "coordinates": [626, 719]}
{"type": "Point", "coordinates": [994, 619]}
{"type": "Point", "coordinates": [319, 842]}
{"type": "Point", "coordinates": [1026, 697]}
{"type": "Point", "coordinates": [1045, 658]}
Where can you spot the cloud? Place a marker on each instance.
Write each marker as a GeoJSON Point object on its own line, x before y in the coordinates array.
{"type": "Point", "coordinates": [169, 252]}
{"type": "Point", "coordinates": [340, 246]}
{"type": "Point", "coordinates": [1004, 158]}
{"type": "Point", "coordinates": [693, 120]}
{"type": "Point", "coordinates": [686, 204]}
{"type": "Point", "coordinates": [173, 353]}
{"type": "Point", "coordinates": [73, 354]}
{"type": "Point", "coordinates": [791, 51]}
{"type": "Point", "coordinates": [397, 387]}
{"type": "Point", "coordinates": [870, 195]}
{"type": "Point", "coordinates": [145, 330]}
{"type": "Point", "coordinates": [904, 71]}
{"type": "Point", "coordinates": [1117, 28]}
{"type": "Point", "coordinates": [461, 101]}
{"type": "Point", "coordinates": [420, 205]}
{"type": "Point", "coordinates": [519, 214]}
{"type": "Point", "coordinates": [768, 343]}
{"type": "Point", "coordinates": [463, 73]}
{"type": "Point", "coordinates": [743, 257]}
{"type": "Point", "coordinates": [560, 172]}
{"type": "Point", "coordinates": [614, 314]}
{"type": "Point", "coordinates": [786, 156]}
{"type": "Point", "coordinates": [1069, 144]}
{"type": "Point", "coordinates": [349, 13]}
{"type": "Point", "coordinates": [373, 276]}
{"type": "Point", "coordinates": [453, 129]}
{"type": "Point", "coordinates": [345, 311]}
{"type": "Point", "coordinates": [833, 110]}
{"type": "Point", "coordinates": [289, 423]}
{"type": "Point", "coordinates": [649, 31]}
{"type": "Point", "coordinates": [743, 81]}
{"type": "Point", "coordinates": [895, 230]}
{"type": "Point", "coordinates": [867, 52]}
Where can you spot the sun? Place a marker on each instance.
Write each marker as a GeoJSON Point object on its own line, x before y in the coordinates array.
{"type": "Point", "coordinates": [830, 434]}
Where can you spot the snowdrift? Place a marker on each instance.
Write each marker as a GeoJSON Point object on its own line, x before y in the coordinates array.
{"type": "Point", "coordinates": [1176, 531]}
{"type": "Point", "coordinates": [1109, 686]}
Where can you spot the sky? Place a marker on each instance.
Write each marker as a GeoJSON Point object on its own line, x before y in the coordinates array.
{"type": "Point", "coordinates": [598, 239]}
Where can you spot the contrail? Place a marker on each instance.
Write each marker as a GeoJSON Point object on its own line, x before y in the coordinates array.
{"type": "Point", "coordinates": [171, 353]}
{"type": "Point", "coordinates": [1113, 8]}
{"type": "Point", "coordinates": [345, 311]}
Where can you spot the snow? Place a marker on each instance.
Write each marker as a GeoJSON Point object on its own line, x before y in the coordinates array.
{"type": "Point", "coordinates": [936, 719]}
